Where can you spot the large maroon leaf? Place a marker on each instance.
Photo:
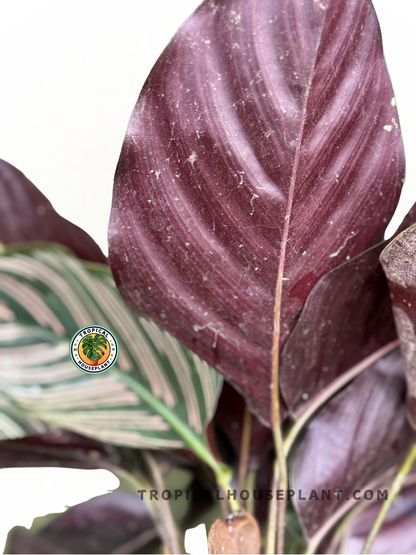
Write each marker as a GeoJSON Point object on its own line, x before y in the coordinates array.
{"type": "Point", "coordinates": [115, 522]}
{"type": "Point", "coordinates": [359, 435]}
{"type": "Point", "coordinates": [399, 263]}
{"type": "Point", "coordinates": [27, 215]}
{"type": "Point", "coordinates": [264, 150]}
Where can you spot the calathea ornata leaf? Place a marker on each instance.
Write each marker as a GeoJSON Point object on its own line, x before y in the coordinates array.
{"type": "Point", "coordinates": [158, 395]}
{"type": "Point", "coordinates": [264, 151]}
{"type": "Point", "coordinates": [27, 215]}
{"type": "Point", "coordinates": [358, 436]}
{"type": "Point", "coordinates": [399, 263]}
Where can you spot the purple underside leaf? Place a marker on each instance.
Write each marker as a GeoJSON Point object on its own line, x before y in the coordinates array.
{"type": "Point", "coordinates": [346, 318]}
{"type": "Point", "coordinates": [27, 215]}
{"type": "Point", "coordinates": [358, 436]}
{"type": "Point", "coordinates": [101, 525]}
{"type": "Point", "coordinates": [54, 448]}
{"type": "Point", "coordinates": [264, 151]}
{"type": "Point", "coordinates": [397, 535]}
{"type": "Point", "coordinates": [399, 264]}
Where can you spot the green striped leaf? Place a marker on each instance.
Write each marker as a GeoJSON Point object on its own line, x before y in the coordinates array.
{"type": "Point", "coordinates": [158, 395]}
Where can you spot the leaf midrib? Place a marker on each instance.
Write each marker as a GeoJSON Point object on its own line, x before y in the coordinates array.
{"type": "Point", "coordinates": [275, 408]}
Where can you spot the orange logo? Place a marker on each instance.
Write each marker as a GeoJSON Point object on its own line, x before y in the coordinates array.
{"type": "Point", "coordinates": [94, 349]}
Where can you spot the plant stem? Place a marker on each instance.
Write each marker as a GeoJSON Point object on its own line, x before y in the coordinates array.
{"type": "Point", "coordinates": [138, 542]}
{"type": "Point", "coordinates": [277, 506]}
{"type": "Point", "coordinates": [223, 474]}
{"type": "Point", "coordinates": [331, 522]}
{"type": "Point", "coordinates": [333, 388]}
{"type": "Point", "coordinates": [233, 503]}
{"type": "Point", "coordinates": [343, 527]}
{"type": "Point", "coordinates": [281, 504]}
{"type": "Point", "coordinates": [395, 489]}
{"type": "Point", "coordinates": [191, 439]}
{"type": "Point", "coordinates": [277, 510]}
{"type": "Point", "coordinates": [250, 485]}
{"type": "Point", "coordinates": [164, 521]}
{"type": "Point", "coordinates": [271, 525]}
{"type": "Point", "coordinates": [245, 449]}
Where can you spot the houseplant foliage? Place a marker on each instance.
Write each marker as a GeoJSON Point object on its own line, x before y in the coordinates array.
{"type": "Point", "coordinates": [261, 166]}
{"type": "Point", "coordinates": [258, 152]}
{"type": "Point", "coordinates": [163, 396]}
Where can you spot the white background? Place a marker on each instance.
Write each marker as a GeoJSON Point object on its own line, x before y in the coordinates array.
{"type": "Point", "coordinates": [71, 72]}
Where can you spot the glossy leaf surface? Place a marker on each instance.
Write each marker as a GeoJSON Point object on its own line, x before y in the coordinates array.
{"type": "Point", "coordinates": [27, 215]}
{"type": "Point", "coordinates": [46, 295]}
{"type": "Point", "coordinates": [359, 435]}
{"type": "Point", "coordinates": [399, 263]}
{"type": "Point", "coordinates": [264, 150]}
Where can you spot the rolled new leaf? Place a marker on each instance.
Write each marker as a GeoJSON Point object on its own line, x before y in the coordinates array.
{"type": "Point", "coordinates": [27, 215]}
{"type": "Point", "coordinates": [399, 263]}
{"type": "Point", "coordinates": [263, 152]}
{"type": "Point", "coordinates": [158, 395]}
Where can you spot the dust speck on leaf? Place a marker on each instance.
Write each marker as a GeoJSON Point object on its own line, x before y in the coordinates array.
{"type": "Point", "coordinates": [192, 158]}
